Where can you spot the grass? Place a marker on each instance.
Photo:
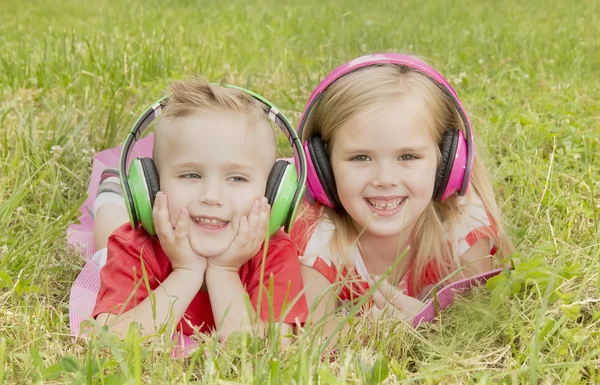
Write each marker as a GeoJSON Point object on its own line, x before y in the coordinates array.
{"type": "Point", "coordinates": [75, 74]}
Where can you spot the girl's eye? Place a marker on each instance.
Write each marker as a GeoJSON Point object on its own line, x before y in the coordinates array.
{"type": "Point", "coordinates": [360, 158]}
{"type": "Point", "coordinates": [191, 175]}
{"type": "Point", "coordinates": [238, 179]}
{"type": "Point", "coordinates": [407, 157]}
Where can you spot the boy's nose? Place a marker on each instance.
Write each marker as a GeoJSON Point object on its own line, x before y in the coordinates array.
{"type": "Point", "coordinates": [211, 194]}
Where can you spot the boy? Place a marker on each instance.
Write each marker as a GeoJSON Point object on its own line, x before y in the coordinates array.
{"type": "Point", "coordinates": [213, 150]}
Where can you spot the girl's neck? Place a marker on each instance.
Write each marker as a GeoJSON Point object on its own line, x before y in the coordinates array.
{"type": "Point", "coordinates": [381, 253]}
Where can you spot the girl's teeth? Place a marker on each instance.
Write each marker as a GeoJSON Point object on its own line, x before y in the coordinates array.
{"type": "Point", "coordinates": [385, 205]}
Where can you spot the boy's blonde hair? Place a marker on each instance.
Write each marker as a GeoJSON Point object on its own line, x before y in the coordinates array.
{"type": "Point", "coordinates": [197, 94]}
{"type": "Point", "coordinates": [368, 88]}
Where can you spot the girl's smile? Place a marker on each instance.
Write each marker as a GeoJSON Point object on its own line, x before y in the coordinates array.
{"type": "Point", "coordinates": [386, 206]}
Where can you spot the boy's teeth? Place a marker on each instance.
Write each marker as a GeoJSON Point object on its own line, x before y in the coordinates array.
{"type": "Point", "coordinates": [385, 205]}
{"type": "Point", "coordinates": [212, 221]}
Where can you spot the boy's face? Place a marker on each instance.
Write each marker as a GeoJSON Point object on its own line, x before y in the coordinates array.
{"type": "Point", "coordinates": [215, 164]}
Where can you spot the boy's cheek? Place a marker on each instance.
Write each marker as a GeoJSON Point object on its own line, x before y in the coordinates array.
{"type": "Point", "coordinates": [245, 207]}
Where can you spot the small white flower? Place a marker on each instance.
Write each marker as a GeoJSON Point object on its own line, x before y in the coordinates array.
{"type": "Point", "coordinates": [481, 61]}
{"type": "Point", "coordinates": [577, 156]}
{"type": "Point", "coordinates": [462, 74]}
{"type": "Point", "coordinates": [63, 186]}
{"type": "Point", "coordinates": [56, 151]}
{"type": "Point", "coordinates": [3, 249]}
{"type": "Point", "coordinates": [20, 210]}
{"type": "Point", "coordinates": [84, 151]}
{"type": "Point", "coordinates": [526, 76]}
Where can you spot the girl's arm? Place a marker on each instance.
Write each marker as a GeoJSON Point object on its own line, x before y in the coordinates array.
{"type": "Point", "coordinates": [321, 299]}
{"type": "Point", "coordinates": [476, 260]}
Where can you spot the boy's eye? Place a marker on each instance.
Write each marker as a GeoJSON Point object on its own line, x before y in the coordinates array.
{"type": "Point", "coordinates": [238, 179]}
{"type": "Point", "coordinates": [360, 158]}
{"type": "Point", "coordinates": [191, 175]}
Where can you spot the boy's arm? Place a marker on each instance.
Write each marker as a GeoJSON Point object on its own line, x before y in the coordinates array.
{"type": "Point", "coordinates": [225, 289]}
{"type": "Point", "coordinates": [277, 286]}
{"type": "Point", "coordinates": [169, 301]}
{"type": "Point", "coordinates": [165, 306]}
{"type": "Point", "coordinates": [228, 302]}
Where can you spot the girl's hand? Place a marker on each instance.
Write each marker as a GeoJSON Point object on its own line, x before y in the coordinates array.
{"type": "Point", "coordinates": [175, 241]}
{"type": "Point", "coordinates": [394, 301]}
{"type": "Point", "coordinates": [251, 235]}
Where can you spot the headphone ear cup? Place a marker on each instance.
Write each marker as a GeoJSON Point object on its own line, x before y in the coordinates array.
{"type": "Point", "coordinates": [274, 180]}
{"type": "Point", "coordinates": [281, 187]}
{"type": "Point", "coordinates": [145, 184]}
{"type": "Point", "coordinates": [152, 178]}
{"type": "Point", "coordinates": [322, 166]}
{"type": "Point", "coordinates": [448, 152]}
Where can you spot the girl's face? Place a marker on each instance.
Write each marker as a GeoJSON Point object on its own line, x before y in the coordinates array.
{"type": "Point", "coordinates": [384, 162]}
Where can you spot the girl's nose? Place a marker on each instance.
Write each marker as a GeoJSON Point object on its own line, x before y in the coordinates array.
{"type": "Point", "coordinates": [386, 176]}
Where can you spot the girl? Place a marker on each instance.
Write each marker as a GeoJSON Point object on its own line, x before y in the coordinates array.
{"type": "Point", "coordinates": [400, 192]}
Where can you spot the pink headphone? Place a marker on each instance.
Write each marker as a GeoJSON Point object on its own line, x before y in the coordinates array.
{"type": "Point", "coordinates": [457, 149]}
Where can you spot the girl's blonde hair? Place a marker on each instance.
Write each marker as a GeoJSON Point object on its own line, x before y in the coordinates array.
{"type": "Point", "coordinates": [433, 236]}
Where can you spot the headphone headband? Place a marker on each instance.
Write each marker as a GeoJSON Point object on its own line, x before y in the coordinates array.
{"type": "Point", "coordinates": [274, 114]}
{"type": "Point", "coordinates": [403, 60]}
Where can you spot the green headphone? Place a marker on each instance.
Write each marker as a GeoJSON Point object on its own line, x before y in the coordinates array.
{"type": "Point", "coordinates": [284, 189]}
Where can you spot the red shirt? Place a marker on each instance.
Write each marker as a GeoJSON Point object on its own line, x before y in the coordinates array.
{"type": "Point", "coordinates": [123, 272]}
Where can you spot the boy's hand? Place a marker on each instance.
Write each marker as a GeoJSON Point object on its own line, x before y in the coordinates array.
{"type": "Point", "coordinates": [175, 241]}
{"type": "Point", "coordinates": [251, 234]}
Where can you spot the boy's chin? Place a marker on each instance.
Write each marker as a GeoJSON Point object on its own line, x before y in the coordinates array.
{"type": "Point", "coordinates": [208, 251]}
